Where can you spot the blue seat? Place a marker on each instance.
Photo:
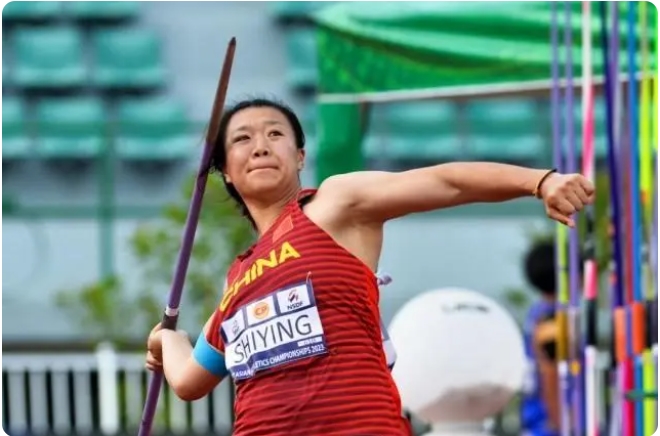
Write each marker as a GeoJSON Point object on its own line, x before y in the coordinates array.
{"type": "Point", "coordinates": [31, 11]}
{"type": "Point", "coordinates": [302, 71]}
{"type": "Point", "coordinates": [153, 129]}
{"type": "Point", "coordinates": [102, 10]}
{"type": "Point", "coordinates": [48, 57]}
{"type": "Point", "coordinates": [15, 135]}
{"type": "Point", "coordinates": [71, 127]}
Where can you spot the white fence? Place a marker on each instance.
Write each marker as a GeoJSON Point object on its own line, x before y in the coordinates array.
{"type": "Point", "coordinates": [99, 393]}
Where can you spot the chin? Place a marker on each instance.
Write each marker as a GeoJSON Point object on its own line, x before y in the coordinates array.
{"type": "Point", "coordinates": [264, 182]}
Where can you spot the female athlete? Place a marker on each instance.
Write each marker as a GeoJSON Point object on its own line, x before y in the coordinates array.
{"type": "Point", "coordinates": [298, 325]}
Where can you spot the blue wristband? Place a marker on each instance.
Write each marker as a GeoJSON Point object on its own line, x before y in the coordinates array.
{"type": "Point", "coordinates": [208, 357]}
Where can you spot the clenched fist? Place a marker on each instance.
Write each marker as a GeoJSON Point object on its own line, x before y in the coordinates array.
{"type": "Point", "coordinates": [564, 195]}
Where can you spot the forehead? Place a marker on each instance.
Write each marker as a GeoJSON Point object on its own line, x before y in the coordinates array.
{"type": "Point", "coordinates": [256, 117]}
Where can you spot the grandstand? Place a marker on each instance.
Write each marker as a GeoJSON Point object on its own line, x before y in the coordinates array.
{"type": "Point", "coordinates": [120, 91]}
{"type": "Point", "coordinates": [104, 108]}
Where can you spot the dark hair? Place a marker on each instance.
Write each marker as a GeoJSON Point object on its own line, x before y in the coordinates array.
{"type": "Point", "coordinates": [540, 267]}
{"type": "Point", "coordinates": [219, 156]}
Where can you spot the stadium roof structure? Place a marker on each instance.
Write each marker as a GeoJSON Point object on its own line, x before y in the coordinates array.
{"type": "Point", "coordinates": [378, 52]}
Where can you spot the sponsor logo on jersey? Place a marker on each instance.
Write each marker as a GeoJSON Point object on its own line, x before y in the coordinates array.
{"type": "Point", "coordinates": [282, 327]}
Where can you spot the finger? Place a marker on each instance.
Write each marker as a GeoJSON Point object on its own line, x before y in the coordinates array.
{"type": "Point", "coordinates": [156, 357]}
{"type": "Point", "coordinates": [582, 194]}
{"type": "Point", "coordinates": [563, 206]}
{"type": "Point", "coordinates": [153, 368]}
{"type": "Point", "coordinates": [575, 200]}
{"type": "Point", "coordinates": [560, 217]}
{"type": "Point", "coordinates": [156, 328]}
{"type": "Point", "coordinates": [587, 185]}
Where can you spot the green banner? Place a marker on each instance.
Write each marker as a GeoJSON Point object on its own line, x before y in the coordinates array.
{"type": "Point", "coordinates": [366, 47]}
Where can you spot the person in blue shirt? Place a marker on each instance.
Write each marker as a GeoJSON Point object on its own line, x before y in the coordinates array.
{"type": "Point", "coordinates": [539, 412]}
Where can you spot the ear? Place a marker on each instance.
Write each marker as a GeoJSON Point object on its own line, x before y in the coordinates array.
{"type": "Point", "coordinates": [301, 159]}
{"type": "Point", "coordinates": [227, 178]}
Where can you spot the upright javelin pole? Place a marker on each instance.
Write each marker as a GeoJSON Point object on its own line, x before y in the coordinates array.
{"type": "Point", "coordinates": [646, 184]}
{"type": "Point", "coordinates": [573, 273]}
{"type": "Point", "coordinates": [590, 267]}
{"type": "Point", "coordinates": [636, 305]}
{"type": "Point", "coordinates": [616, 263]}
{"type": "Point", "coordinates": [560, 236]}
{"type": "Point", "coordinates": [170, 317]}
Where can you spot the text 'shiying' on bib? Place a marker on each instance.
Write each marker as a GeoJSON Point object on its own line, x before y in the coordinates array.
{"type": "Point", "coordinates": [279, 328]}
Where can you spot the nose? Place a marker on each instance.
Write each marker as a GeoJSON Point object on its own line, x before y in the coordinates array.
{"type": "Point", "coordinates": [260, 147]}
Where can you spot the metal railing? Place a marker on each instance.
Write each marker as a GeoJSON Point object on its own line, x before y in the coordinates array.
{"type": "Point", "coordinates": [99, 393]}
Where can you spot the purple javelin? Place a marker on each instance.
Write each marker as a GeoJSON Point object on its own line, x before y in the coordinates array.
{"type": "Point", "coordinates": [172, 311]}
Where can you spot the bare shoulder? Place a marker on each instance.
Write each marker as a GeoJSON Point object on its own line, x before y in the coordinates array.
{"type": "Point", "coordinates": [345, 191]}
{"type": "Point", "coordinates": [332, 210]}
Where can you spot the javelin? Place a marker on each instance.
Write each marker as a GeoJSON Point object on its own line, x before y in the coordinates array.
{"type": "Point", "coordinates": [171, 314]}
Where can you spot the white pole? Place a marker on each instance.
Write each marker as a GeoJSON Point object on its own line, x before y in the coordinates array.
{"type": "Point", "coordinates": [108, 389]}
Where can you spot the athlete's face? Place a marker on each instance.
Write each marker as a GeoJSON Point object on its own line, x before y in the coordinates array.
{"type": "Point", "coordinates": [262, 157]}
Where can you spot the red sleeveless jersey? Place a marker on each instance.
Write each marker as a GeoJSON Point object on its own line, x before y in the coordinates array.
{"type": "Point", "coordinates": [300, 329]}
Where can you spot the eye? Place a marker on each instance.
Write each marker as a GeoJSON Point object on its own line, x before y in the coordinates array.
{"type": "Point", "coordinates": [275, 133]}
{"type": "Point", "coordinates": [241, 138]}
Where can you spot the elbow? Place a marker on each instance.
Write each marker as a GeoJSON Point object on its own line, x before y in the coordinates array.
{"type": "Point", "coordinates": [186, 390]}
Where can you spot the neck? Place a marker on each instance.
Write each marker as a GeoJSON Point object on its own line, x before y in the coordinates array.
{"type": "Point", "coordinates": [265, 214]}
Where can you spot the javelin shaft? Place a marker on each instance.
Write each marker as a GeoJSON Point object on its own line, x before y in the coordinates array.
{"type": "Point", "coordinates": [573, 311]}
{"type": "Point", "coordinates": [560, 236]}
{"type": "Point", "coordinates": [170, 316]}
{"type": "Point", "coordinates": [646, 184]}
{"type": "Point", "coordinates": [616, 262]}
{"type": "Point", "coordinates": [590, 268]}
{"type": "Point", "coordinates": [636, 314]}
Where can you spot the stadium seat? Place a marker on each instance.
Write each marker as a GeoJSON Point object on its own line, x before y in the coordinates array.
{"type": "Point", "coordinates": [127, 59]}
{"type": "Point", "coordinates": [15, 135]}
{"type": "Point", "coordinates": [48, 57]}
{"type": "Point", "coordinates": [296, 11]}
{"type": "Point", "coordinates": [31, 11]}
{"type": "Point", "coordinates": [102, 10]}
{"type": "Point", "coordinates": [309, 123]}
{"type": "Point", "coordinates": [302, 73]}
{"type": "Point", "coordinates": [511, 117]}
{"type": "Point", "coordinates": [154, 129]}
{"type": "Point", "coordinates": [514, 149]}
{"type": "Point", "coordinates": [424, 131]}
{"type": "Point", "coordinates": [70, 127]}
{"type": "Point", "coordinates": [421, 119]}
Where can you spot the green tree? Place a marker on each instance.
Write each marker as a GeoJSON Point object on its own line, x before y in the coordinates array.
{"type": "Point", "coordinates": [111, 309]}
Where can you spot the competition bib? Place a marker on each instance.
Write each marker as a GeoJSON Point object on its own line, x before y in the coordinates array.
{"type": "Point", "coordinates": [279, 328]}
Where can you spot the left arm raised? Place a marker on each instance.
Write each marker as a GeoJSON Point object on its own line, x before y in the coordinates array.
{"type": "Point", "coordinates": [374, 196]}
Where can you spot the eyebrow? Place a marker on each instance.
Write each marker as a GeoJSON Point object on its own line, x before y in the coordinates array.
{"type": "Point", "coordinates": [266, 123]}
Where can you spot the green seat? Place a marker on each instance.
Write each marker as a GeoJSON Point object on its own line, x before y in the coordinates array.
{"type": "Point", "coordinates": [50, 57]}
{"type": "Point", "coordinates": [154, 129]}
{"type": "Point", "coordinates": [15, 135]}
{"type": "Point", "coordinates": [514, 149]}
{"type": "Point", "coordinates": [102, 10]}
{"type": "Point", "coordinates": [296, 11]}
{"type": "Point", "coordinates": [309, 123]}
{"type": "Point", "coordinates": [443, 148]}
{"type": "Point", "coordinates": [302, 72]}
{"type": "Point", "coordinates": [70, 127]}
{"type": "Point", "coordinates": [31, 11]}
{"type": "Point", "coordinates": [422, 131]}
{"type": "Point", "coordinates": [510, 117]}
{"type": "Point", "coordinates": [423, 119]}
{"type": "Point", "coordinates": [601, 146]}
{"type": "Point", "coordinates": [128, 58]}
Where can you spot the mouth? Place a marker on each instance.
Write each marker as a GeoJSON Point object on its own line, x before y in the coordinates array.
{"type": "Point", "coordinates": [262, 169]}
